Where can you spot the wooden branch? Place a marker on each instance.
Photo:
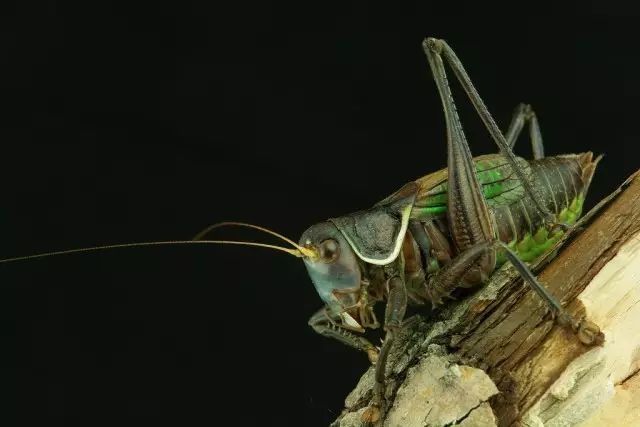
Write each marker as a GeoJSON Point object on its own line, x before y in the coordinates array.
{"type": "Point", "coordinates": [497, 357]}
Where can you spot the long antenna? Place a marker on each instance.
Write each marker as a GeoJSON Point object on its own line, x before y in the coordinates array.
{"type": "Point", "coordinates": [308, 252]}
{"type": "Point", "coordinates": [294, 252]}
{"type": "Point", "coordinates": [207, 230]}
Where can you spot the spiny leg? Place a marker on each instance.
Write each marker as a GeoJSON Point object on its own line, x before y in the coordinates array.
{"type": "Point", "coordinates": [394, 314]}
{"type": "Point", "coordinates": [588, 332]}
{"type": "Point", "coordinates": [322, 324]}
{"type": "Point", "coordinates": [449, 277]}
{"type": "Point", "coordinates": [435, 48]}
{"type": "Point", "coordinates": [468, 216]}
{"type": "Point", "coordinates": [470, 223]}
{"type": "Point", "coordinates": [523, 114]}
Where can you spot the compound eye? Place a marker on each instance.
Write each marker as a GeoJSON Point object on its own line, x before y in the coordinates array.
{"type": "Point", "coordinates": [329, 250]}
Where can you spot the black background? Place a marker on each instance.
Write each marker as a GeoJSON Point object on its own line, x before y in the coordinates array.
{"type": "Point", "coordinates": [125, 124]}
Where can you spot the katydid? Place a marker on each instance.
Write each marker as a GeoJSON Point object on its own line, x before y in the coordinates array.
{"type": "Point", "coordinates": [449, 229]}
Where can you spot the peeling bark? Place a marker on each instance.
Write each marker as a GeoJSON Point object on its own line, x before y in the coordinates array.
{"type": "Point", "coordinates": [543, 375]}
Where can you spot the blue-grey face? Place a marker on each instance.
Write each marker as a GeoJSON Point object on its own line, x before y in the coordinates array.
{"type": "Point", "coordinates": [335, 272]}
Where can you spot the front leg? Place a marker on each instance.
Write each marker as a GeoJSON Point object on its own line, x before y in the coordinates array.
{"type": "Point", "coordinates": [394, 314]}
{"type": "Point", "coordinates": [325, 326]}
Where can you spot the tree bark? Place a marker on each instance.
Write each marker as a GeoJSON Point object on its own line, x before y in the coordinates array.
{"type": "Point", "coordinates": [498, 358]}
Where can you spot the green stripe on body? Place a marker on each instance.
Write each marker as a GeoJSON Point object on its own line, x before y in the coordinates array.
{"type": "Point", "coordinates": [530, 247]}
{"type": "Point", "coordinates": [494, 176]}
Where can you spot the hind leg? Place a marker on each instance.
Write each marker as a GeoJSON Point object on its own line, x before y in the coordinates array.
{"type": "Point", "coordinates": [522, 115]}
{"type": "Point", "coordinates": [471, 225]}
{"type": "Point", "coordinates": [451, 275]}
{"type": "Point", "coordinates": [437, 52]}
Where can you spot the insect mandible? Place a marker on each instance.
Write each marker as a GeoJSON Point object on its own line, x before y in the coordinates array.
{"type": "Point", "coordinates": [449, 229]}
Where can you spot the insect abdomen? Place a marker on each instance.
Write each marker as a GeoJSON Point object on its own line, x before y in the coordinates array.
{"type": "Point", "coordinates": [563, 181]}
{"type": "Point", "coordinates": [500, 186]}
